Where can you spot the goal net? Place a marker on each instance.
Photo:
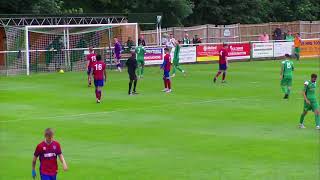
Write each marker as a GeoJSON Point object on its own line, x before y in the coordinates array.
{"type": "Point", "coordinates": [53, 47]}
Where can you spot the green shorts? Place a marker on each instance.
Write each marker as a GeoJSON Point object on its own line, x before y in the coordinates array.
{"type": "Point", "coordinates": [175, 63]}
{"type": "Point", "coordinates": [297, 50]}
{"type": "Point", "coordinates": [312, 106]}
{"type": "Point", "coordinates": [140, 62]}
{"type": "Point", "coordinates": [286, 81]}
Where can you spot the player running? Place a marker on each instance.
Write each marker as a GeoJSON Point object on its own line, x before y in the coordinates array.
{"type": "Point", "coordinates": [176, 59]}
{"type": "Point", "coordinates": [91, 58]}
{"type": "Point", "coordinates": [132, 66]}
{"type": "Point", "coordinates": [297, 46]}
{"type": "Point", "coordinates": [223, 63]}
{"type": "Point", "coordinates": [310, 101]}
{"type": "Point", "coordinates": [166, 65]}
{"type": "Point", "coordinates": [99, 75]}
{"type": "Point", "coordinates": [140, 51]}
{"type": "Point", "coordinates": [117, 53]}
{"type": "Point", "coordinates": [286, 76]}
{"type": "Point", "coordinates": [47, 151]}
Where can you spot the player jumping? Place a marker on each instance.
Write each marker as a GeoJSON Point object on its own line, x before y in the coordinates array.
{"type": "Point", "coordinates": [91, 58]}
{"type": "Point", "coordinates": [117, 53]}
{"type": "Point", "coordinates": [310, 101]}
{"type": "Point", "coordinates": [140, 51]}
{"type": "Point", "coordinates": [223, 64]}
{"type": "Point", "coordinates": [176, 59]}
{"type": "Point", "coordinates": [132, 66]}
{"type": "Point", "coordinates": [47, 151]}
{"type": "Point", "coordinates": [286, 76]}
{"type": "Point", "coordinates": [166, 65]}
{"type": "Point", "coordinates": [100, 76]}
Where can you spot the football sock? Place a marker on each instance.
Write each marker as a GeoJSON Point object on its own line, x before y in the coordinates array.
{"type": "Point", "coordinates": [165, 83]}
{"type": "Point", "coordinates": [284, 89]}
{"type": "Point", "coordinates": [89, 80]}
{"type": "Point", "coordinates": [288, 91]}
{"type": "Point", "coordinates": [218, 74]}
{"type": "Point", "coordinates": [168, 83]}
{"type": "Point", "coordinates": [97, 94]}
{"type": "Point", "coordinates": [142, 71]}
{"type": "Point", "coordinates": [180, 69]}
{"type": "Point", "coordinates": [135, 85]}
{"type": "Point", "coordinates": [302, 118]}
{"type": "Point", "coordinates": [139, 71]}
{"type": "Point", "coordinates": [130, 85]}
{"type": "Point", "coordinates": [317, 119]}
{"type": "Point", "coordinates": [223, 76]}
{"type": "Point", "coordinates": [174, 69]}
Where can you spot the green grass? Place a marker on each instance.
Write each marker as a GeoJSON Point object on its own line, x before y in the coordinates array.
{"type": "Point", "coordinates": [239, 130]}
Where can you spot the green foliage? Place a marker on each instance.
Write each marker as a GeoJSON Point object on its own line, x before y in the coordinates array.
{"type": "Point", "coordinates": [179, 12]}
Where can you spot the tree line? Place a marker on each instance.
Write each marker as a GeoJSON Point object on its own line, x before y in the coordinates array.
{"type": "Point", "coordinates": [178, 12]}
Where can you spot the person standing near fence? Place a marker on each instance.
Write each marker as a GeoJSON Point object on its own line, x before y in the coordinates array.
{"type": "Point", "coordinates": [277, 33]}
{"type": "Point", "coordinates": [176, 59]}
{"type": "Point", "coordinates": [186, 40]}
{"type": "Point", "coordinates": [297, 46]}
{"type": "Point", "coordinates": [141, 40]}
{"type": "Point", "coordinates": [289, 36]}
{"type": "Point", "coordinates": [196, 40]}
{"type": "Point", "coordinates": [264, 37]}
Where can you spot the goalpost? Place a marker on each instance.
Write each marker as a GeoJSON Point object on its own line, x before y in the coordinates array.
{"type": "Point", "coordinates": [46, 48]}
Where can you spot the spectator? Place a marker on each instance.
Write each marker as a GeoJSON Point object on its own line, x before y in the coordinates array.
{"type": "Point", "coordinates": [141, 41]}
{"type": "Point", "coordinates": [172, 42]}
{"type": "Point", "coordinates": [130, 44]}
{"type": "Point", "coordinates": [164, 39]}
{"type": "Point", "coordinates": [277, 33]}
{"type": "Point", "coordinates": [264, 37]}
{"type": "Point", "coordinates": [289, 36]}
{"type": "Point", "coordinates": [186, 39]}
{"type": "Point", "coordinates": [196, 39]}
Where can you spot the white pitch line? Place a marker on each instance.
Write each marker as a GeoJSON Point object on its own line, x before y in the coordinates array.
{"type": "Point", "coordinates": [128, 109]}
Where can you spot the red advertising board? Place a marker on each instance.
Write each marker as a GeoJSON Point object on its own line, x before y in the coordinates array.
{"type": "Point", "coordinates": [239, 51]}
{"type": "Point", "coordinates": [211, 52]}
{"type": "Point", "coordinates": [208, 52]}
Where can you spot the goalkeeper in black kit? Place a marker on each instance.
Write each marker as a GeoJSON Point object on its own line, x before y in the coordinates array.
{"type": "Point", "coordinates": [132, 66]}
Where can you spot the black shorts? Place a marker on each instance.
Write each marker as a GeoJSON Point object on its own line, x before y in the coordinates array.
{"type": "Point", "coordinates": [132, 76]}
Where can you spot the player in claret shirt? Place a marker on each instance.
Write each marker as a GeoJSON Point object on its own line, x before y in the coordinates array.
{"type": "Point", "coordinates": [91, 58]}
{"type": "Point", "coordinates": [223, 63]}
{"type": "Point", "coordinates": [99, 75]}
{"type": "Point", "coordinates": [48, 151]}
{"type": "Point", "coordinates": [166, 66]}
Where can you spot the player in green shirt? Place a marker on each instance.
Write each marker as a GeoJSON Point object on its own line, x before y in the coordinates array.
{"type": "Point", "coordinates": [140, 51]}
{"type": "Point", "coordinates": [176, 60]}
{"type": "Point", "coordinates": [286, 76]}
{"type": "Point", "coordinates": [310, 101]}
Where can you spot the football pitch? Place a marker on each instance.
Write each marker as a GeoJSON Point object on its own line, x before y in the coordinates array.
{"type": "Point", "coordinates": [239, 130]}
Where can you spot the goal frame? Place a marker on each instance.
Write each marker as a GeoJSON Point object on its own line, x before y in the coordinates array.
{"type": "Point", "coordinates": [29, 27]}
